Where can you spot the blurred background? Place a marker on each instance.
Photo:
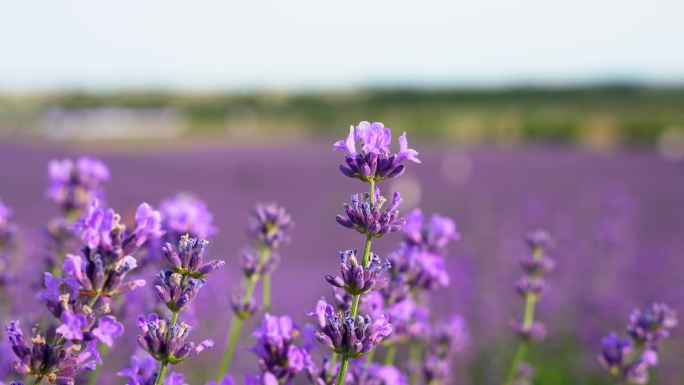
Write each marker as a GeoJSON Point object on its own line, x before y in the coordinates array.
{"type": "Point", "coordinates": [562, 115]}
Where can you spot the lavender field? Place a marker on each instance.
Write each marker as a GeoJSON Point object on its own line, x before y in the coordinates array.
{"type": "Point", "coordinates": [616, 220]}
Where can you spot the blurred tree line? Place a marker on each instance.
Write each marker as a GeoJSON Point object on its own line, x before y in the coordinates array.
{"type": "Point", "coordinates": [597, 116]}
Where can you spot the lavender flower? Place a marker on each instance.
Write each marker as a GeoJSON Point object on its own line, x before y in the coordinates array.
{"type": "Point", "coordinates": [57, 362]}
{"type": "Point", "coordinates": [375, 161]}
{"type": "Point", "coordinates": [630, 361]}
{"type": "Point", "coordinates": [165, 341]}
{"type": "Point", "coordinates": [176, 291]}
{"type": "Point", "coordinates": [187, 214]}
{"type": "Point", "coordinates": [269, 224]}
{"type": "Point", "coordinates": [351, 337]}
{"type": "Point", "coordinates": [275, 349]}
{"type": "Point", "coordinates": [242, 306]}
{"type": "Point", "coordinates": [187, 259]}
{"type": "Point", "coordinates": [368, 218]}
{"type": "Point", "coordinates": [356, 279]}
{"type": "Point", "coordinates": [615, 353]}
{"type": "Point", "coordinates": [107, 329]}
{"type": "Point", "coordinates": [73, 186]}
{"type": "Point", "coordinates": [652, 324]}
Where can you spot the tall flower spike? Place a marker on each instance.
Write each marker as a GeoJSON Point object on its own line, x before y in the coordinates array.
{"type": "Point", "coordinates": [351, 337]}
{"type": "Point", "coordinates": [269, 224]}
{"type": "Point", "coordinates": [370, 219]}
{"type": "Point", "coordinates": [375, 160]}
{"type": "Point", "coordinates": [356, 279]}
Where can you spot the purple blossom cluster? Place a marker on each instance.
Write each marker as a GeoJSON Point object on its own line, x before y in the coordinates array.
{"type": "Point", "coordinates": [630, 359]}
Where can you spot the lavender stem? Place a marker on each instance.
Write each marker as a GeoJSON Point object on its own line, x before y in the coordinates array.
{"type": "Point", "coordinates": [414, 358]}
{"type": "Point", "coordinates": [391, 353]}
{"type": "Point", "coordinates": [266, 293]}
{"type": "Point", "coordinates": [528, 320]}
{"type": "Point", "coordinates": [236, 325]}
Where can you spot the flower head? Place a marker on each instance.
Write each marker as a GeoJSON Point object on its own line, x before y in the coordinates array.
{"type": "Point", "coordinates": [346, 335]}
{"type": "Point", "coordinates": [188, 258]}
{"type": "Point", "coordinates": [652, 324]}
{"type": "Point", "coordinates": [375, 160]}
{"type": "Point", "coordinates": [268, 225]}
{"type": "Point", "coordinates": [614, 353]}
{"type": "Point", "coordinates": [434, 235]}
{"type": "Point", "coordinates": [166, 342]}
{"type": "Point", "coordinates": [357, 279]}
{"type": "Point", "coordinates": [367, 217]}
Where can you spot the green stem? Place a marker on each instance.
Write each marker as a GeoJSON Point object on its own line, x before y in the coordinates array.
{"type": "Point", "coordinates": [369, 359]}
{"type": "Point", "coordinates": [391, 353]}
{"type": "Point", "coordinates": [343, 370]}
{"type": "Point", "coordinates": [266, 294]}
{"type": "Point", "coordinates": [415, 352]}
{"type": "Point", "coordinates": [236, 325]}
{"type": "Point", "coordinates": [528, 321]}
{"type": "Point", "coordinates": [233, 337]}
{"type": "Point", "coordinates": [162, 373]}
{"type": "Point", "coordinates": [38, 380]}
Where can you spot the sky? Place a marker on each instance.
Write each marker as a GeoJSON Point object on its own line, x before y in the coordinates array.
{"type": "Point", "coordinates": [318, 44]}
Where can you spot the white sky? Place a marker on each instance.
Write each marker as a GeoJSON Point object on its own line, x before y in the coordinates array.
{"type": "Point", "coordinates": [289, 44]}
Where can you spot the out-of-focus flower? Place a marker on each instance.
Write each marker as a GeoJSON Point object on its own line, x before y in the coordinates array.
{"type": "Point", "coordinates": [652, 324]}
{"type": "Point", "coordinates": [375, 160]}
{"type": "Point", "coordinates": [615, 353]}
{"type": "Point", "coordinates": [242, 307]}
{"type": "Point", "coordinates": [268, 225]}
{"type": "Point", "coordinates": [275, 350]}
{"type": "Point", "coordinates": [73, 186]}
{"type": "Point", "coordinates": [166, 342]}
{"type": "Point", "coordinates": [534, 331]}
{"type": "Point", "coordinates": [107, 329]}
{"type": "Point", "coordinates": [445, 340]}
{"type": "Point", "coordinates": [434, 235]}
{"type": "Point", "coordinates": [357, 279]}
{"type": "Point", "coordinates": [370, 219]}
{"type": "Point", "coordinates": [187, 214]}
{"type": "Point", "coordinates": [352, 337]}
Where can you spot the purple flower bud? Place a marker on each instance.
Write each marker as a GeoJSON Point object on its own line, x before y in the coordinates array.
{"type": "Point", "coordinates": [187, 259]}
{"type": "Point", "coordinates": [243, 308]}
{"type": "Point", "coordinates": [368, 218]}
{"type": "Point", "coordinates": [148, 224]}
{"type": "Point", "coordinates": [166, 342]}
{"type": "Point", "coordinates": [351, 336]}
{"type": "Point", "coordinates": [527, 285]}
{"type": "Point", "coordinates": [356, 279]}
{"type": "Point", "coordinates": [615, 353]}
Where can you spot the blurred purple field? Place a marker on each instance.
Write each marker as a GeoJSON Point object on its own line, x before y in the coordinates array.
{"type": "Point", "coordinates": [618, 222]}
